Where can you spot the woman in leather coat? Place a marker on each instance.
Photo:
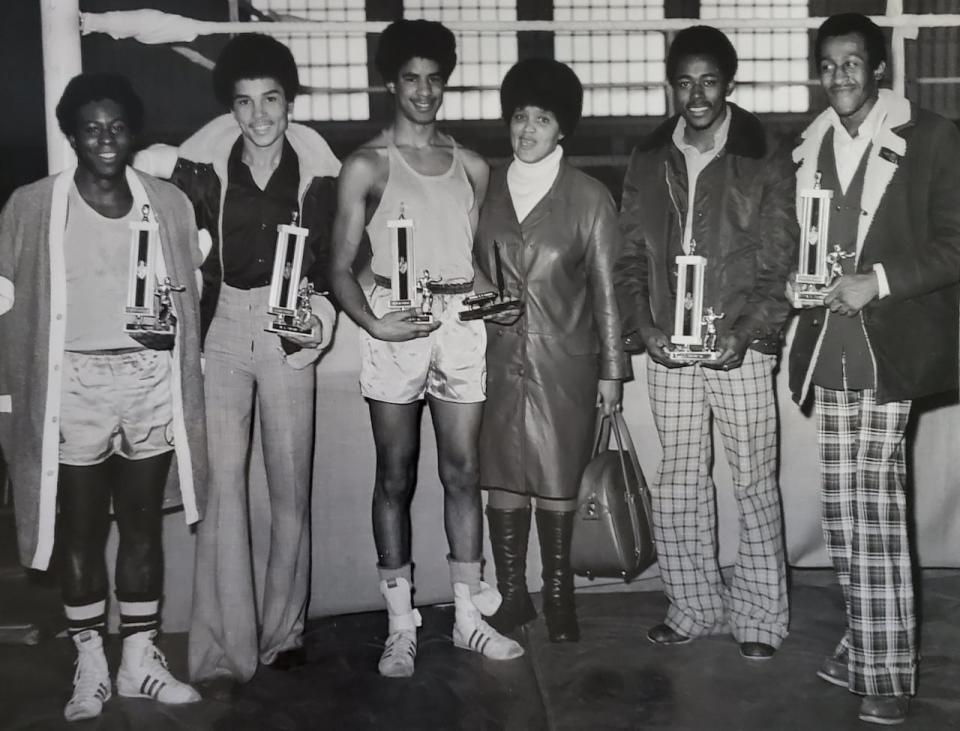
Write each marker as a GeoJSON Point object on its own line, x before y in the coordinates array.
{"type": "Point", "coordinates": [557, 235]}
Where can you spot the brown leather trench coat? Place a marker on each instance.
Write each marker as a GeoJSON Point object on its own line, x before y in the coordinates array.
{"type": "Point", "coordinates": [542, 371]}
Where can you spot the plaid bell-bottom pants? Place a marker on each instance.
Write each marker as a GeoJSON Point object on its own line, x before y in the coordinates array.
{"type": "Point", "coordinates": [863, 472]}
{"type": "Point", "coordinates": [753, 604]}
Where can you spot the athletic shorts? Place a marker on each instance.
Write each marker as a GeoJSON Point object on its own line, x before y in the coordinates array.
{"type": "Point", "coordinates": [115, 403]}
{"type": "Point", "coordinates": [450, 364]}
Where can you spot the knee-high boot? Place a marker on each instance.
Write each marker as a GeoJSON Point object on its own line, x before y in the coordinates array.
{"type": "Point", "coordinates": [509, 533]}
{"type": "Point", "coordinates": [555, 530]}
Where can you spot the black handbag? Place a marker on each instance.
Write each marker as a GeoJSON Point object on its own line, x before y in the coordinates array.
{"type": "Point", "coordinates": [612, 530]}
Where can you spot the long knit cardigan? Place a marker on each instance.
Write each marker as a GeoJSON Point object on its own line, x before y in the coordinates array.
{"type": "Point", "coordinates": [33, 317]}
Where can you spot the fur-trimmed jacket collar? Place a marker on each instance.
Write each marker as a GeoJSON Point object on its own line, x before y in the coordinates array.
{"type": "Point", "coordinates": [746, 137]}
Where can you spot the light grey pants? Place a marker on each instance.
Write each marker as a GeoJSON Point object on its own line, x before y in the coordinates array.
{"type": "Point", "coordinates": [244, 365]}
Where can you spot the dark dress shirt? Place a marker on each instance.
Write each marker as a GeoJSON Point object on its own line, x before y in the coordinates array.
{"type": "Point", "coordinates": [251, 217]}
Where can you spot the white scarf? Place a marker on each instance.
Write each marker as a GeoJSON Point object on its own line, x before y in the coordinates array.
{"type": "Point", "coordinates": [528, 182]}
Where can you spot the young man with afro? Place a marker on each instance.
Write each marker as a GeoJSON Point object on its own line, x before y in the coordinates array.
{"type": "Point", "coordinates": [92, 415]}
{"type": "Point", "coordinates": [414, 171]}
{"type": "Point", "coordinates": [247, 172]}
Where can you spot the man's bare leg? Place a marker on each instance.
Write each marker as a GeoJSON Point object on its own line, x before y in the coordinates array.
{"type": "Point", "coordinates": [457, 427]}
{"type": "Point", "coordinates": [396, 434]}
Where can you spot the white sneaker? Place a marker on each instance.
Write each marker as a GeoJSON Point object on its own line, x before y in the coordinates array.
{"type": "Point", "coordinates": [143, 673]}
{"type": "Point", "coordinates": [470, 632]}
{"type": "Point", "coordinates": [91, 681]}
{"type": "Point", "coordinates": [400, 649]}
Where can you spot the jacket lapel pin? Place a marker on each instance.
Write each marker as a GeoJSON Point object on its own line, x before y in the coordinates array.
{"type": "Point", "coordinates": [889, 155]}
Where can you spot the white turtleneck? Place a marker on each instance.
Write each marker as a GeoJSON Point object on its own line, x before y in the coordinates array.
{"type": "Point", "coordinates": [528, 182]}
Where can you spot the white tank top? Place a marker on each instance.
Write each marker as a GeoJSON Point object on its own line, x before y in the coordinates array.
{"type": "Point", "coordinates": [439, 206]}
{"type": "Point", "coordinates": [97, 257]}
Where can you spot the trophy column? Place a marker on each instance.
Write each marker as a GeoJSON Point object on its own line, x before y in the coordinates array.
{"type": "Point", "coordinates": [289, 303]}
{"type": "Point", "coordinates": [813, 258]}
{"type": "Point", "coordinates": [694, 329]}
{"type": "Point", "coordinates": [405, 285]}
{"type": "Point", "coordinates": [149, 306]}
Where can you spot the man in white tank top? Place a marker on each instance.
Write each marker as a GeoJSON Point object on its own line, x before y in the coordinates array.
{"type": "Point", "coordinates": [414, 171]}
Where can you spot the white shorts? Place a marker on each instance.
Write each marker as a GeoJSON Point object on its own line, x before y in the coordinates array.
{"type": "Point", "coordinates": [450, 364]}
{"type": "Point", "coordinates": [115, 403]}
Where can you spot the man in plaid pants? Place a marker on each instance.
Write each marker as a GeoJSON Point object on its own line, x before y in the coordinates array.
{"type": "Point", "coordinates": [887, 335]}
{"type": "Point", "coordinates": [709, 182]}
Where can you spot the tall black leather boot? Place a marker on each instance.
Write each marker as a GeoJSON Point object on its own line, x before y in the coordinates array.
{"type": "Point", "coordinates": [509, 533]}
{"type": "Point", "coordinates": [555, 530]}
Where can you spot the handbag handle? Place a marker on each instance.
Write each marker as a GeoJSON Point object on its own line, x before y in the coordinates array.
{"type": "Point", "coordinates": [622, 435]}
{"type": "Point", "coordinates": [617, 424]}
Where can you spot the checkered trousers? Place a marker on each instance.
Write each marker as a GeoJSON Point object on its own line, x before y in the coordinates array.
{"type": "Point", "coordinates": [865, 526]}
{"type": "Point", "coordinates": [753, 605]}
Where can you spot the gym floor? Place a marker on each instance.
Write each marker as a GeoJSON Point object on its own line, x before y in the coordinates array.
{"type": "Point", "coordinates": [612, 679]}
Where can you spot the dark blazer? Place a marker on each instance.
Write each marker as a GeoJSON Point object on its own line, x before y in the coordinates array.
{"type": "Point", "coordinates": [542, 372]}
{"type": "Point", "coordinates": [744, 224]}
{"type": "Point", "coordinates": [911, 225]}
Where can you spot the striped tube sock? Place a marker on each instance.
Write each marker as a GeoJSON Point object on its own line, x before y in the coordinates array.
{"type": "Point", "coordinates": [81, 617]}
{"type": "Point", "coordinates": [138, 617]}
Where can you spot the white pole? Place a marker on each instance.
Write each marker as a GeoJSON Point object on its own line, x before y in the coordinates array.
{"type": "Point", "coordinates": [60, 21]}
{"type": "Point", "coordinates": [898, 47]}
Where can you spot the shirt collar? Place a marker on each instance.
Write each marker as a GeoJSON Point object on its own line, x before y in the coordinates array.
{"type": "Point", "coordinates": [288, 168]}
{"type": "Point", "coordinates": [719, 137]}
{"type": "Point", "coordinates": [868, 128]}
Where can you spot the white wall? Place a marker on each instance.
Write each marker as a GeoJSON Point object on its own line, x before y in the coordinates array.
{"type": "Point", "coordinates": [344, 558]}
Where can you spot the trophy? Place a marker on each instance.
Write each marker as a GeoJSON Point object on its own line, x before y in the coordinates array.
{"type": "Point", "coordinates": [812, 272]}
{"type": "Point", "coordinates": [425, 294]}
{"type": "Point", "coordinates": [485, 304]}
{"type": "Point", "coordinates": [694, 329]}
{"type": "Point", "coordinates": [289, 303]}
{"type": "Point", "coordinates": [403, 282]}
{"type": "Point", "coordinates": [149, 307]}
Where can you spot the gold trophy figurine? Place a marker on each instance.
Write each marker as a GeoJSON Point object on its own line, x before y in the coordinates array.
{"type": "Point", "coordinates": [166, 321]}
{"type": "Point", "coordinates": [425, 294]}
{"type": "Point", "coordinates": [709, 322]}
{"type": "Point", "coordinates": [835, 260]}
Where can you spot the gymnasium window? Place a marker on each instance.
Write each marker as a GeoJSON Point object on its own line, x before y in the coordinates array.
{"type": "Point", "coordinates": [615, 61]}
{"type": "Point", "coordinates": [482, 59]}
{"type": "Point", "coordinates": [767, 55]}
{"type": "Point", "coordinates": [337, 62]}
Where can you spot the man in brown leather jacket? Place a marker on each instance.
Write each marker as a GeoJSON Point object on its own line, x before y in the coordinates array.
{"type": "Point", "coordinates": [708, 182]}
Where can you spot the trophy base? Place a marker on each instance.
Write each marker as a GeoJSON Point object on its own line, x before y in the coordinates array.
{"type": "Point", "coordinates": [149, 326]}
{"type": "Point", "coordinates": [807, 298]}
{"type": "Point", "coordinates": [686, 355]}
{"type": "Point", "coordinates": [287, 325]}
{"type": "Point", "coordinates": [481, 307]}
{"type": "Point", "coordinates": [421, 318]}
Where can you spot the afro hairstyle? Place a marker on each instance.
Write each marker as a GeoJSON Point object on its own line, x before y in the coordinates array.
{"type": "Point", "coordinates": [254, 56]}
{"type": "Point", "coordinates": [544, 83]}
{"type": "Point", "coordinates": [92, 87]}
{"type": "Point", "coordinates": [848, 23]}
{"type": "Point", "coordinates": [406, 39]}
{"type": "Point", "coordinates": [702, 40]}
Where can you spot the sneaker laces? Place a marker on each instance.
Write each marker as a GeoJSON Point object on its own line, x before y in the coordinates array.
{"type": "Point", "coordinates": [400, 645]}
{"type": "Point", "coordinates": [87, 680]}
{"type": "Point", "coordinates": [155, 661]}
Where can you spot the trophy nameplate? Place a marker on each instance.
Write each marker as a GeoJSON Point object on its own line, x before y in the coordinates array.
{"type": "Point", "coordinates": [403, 278]}
{"type": "Point", "coordinates": [813, 258]}
{"type": "Point", "coordinates": [149, 308]}
{"type": "Point", "coordinates": [694, 329]}
{"type": "Point", "coordinates": [486, 304]}
{"type": "Point", "coordinates": [289, 303]}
